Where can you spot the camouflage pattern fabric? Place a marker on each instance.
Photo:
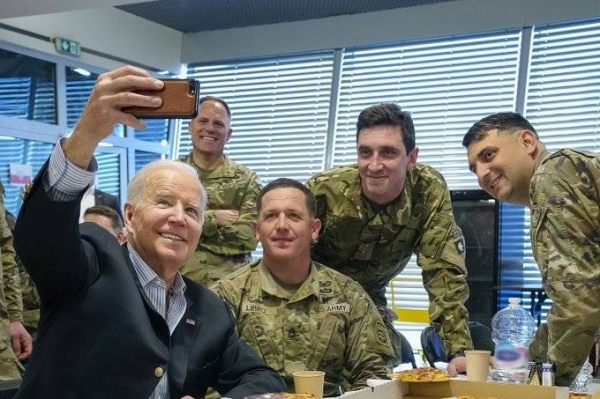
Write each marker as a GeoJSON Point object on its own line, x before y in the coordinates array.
{"type": "Point", "coordinates": [565, 235]}
{"type": "Point", "coordinates": [329, 324]}
{"type": "Point", "coordinates": [10, 297]}
{"type": "Point", "coordinates": [372, 244]}
{"type": "Point", "coordinates": [10, 367]}
{"type": "Point", "coordinates": [11, 307]}
{"type": "Point", "coordinates": [538, 349]}
{"type": "Point", "coordinates": [222, 248]}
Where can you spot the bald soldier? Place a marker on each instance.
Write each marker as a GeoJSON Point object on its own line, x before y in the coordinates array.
{"type": "Point", "coordinates": [227, 239]}
{"type": "Point", "coordinates": [298, 314]}
{"type": "Point", "coordinates": [377, 213]}
{"type": "Point", "coordinates": [562, 191]}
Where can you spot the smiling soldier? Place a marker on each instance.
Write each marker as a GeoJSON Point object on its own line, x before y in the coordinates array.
{"type": "Point", "coordinates": [377, 213]}
{"type": "Point", "coordinates": [227, 239]}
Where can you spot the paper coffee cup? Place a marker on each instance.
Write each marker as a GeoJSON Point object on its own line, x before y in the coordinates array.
{"type": "Point", "coordinates": [310, 382]}
{"type": "Point", "coordinates": [478, 365]}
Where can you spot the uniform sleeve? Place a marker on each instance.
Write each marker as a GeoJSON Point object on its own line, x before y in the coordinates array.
{"type": "Point", "coordinates": [10, 272]}
{"type": "Point", "coordinates": [369, 350]}
{"type": "Point", "coordinates": [441, 256]}
{"type": "Point", "coordinates": [239, 237]}
{"type": "Point", "coordinates": [565, 234]}
{"type": "Point", "coordinates": [321, 200]}
{"type": "Point", "coordinates": [224, 289]}
{"type": "Point", "coordinates": [209, 227]}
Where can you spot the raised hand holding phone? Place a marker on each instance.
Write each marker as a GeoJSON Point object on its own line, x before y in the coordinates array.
{"type": "Point", "coordinates": [112, 92]}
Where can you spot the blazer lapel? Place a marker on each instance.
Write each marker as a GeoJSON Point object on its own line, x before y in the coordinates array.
{"type": "Point", "coordinates": [181, 343]}
{"type": "Point", "coordinates": [158, 322]}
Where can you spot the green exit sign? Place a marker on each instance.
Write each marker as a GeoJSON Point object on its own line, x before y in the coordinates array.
{"type": "Point", "coordinates": [66, 46]}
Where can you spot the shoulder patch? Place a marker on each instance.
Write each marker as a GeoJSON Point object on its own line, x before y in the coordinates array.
{"type": "Point", "coordinates": [456, 233]}
{"type": "Point", "coordinates": [381, 335]}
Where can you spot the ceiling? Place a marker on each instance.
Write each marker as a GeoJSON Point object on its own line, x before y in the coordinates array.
{"type": "Point", "coordinates": [191, 16]}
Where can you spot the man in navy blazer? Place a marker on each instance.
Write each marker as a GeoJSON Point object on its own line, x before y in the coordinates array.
{"type": "Point", "coordinates": [121, 321]}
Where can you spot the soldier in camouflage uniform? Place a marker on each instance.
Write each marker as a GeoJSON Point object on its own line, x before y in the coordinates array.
{"type": "Point", "coordinates": [298, 314]}
{"type": "Point", "coordinates": [378, 213]}
{"type": "Point", "coordinates": [29, 294]}
{"type": "Point", "coordinates": [227, 238]}
{"type": "Point", "coordinates": [562, 191]}
{"type": "Point", "coordinates": [15, 341]}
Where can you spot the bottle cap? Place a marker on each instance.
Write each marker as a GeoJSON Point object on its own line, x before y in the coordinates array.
{"type": "Point", "coordinates": [547, 374]}
{"type": "Point", "coordinates": [514, 300]}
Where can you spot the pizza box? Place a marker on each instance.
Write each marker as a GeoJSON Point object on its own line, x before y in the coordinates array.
{"type": "Point", "coordinates": [389, 389]}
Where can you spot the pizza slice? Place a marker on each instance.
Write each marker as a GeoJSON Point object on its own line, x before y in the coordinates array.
{"type": "Point", "coordinates": [421, 374]}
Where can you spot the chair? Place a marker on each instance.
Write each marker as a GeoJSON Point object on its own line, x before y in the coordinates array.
{"type": "Point", "coordinates": [432, 346]}
{"type": "Point", "coordinates": [407, 315]}
{"type": "Point", "coordinates": [434, 350]}
{"type": "Point", "coordinates": [406, 352]}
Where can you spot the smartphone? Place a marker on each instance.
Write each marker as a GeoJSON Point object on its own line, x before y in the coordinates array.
{"type": "Point", "coordinates": [180, 100]}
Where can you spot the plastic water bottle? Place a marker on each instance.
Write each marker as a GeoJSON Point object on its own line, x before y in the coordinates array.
{"type": "Point", "coordinates": [513, 329]}
{"type": "Point", "coordinates": [583, 379]}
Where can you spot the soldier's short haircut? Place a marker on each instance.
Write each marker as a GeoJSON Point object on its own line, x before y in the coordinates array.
{"type": "Point", "coordinates": [388, 114]}
{"type": "Point", "coordinates": [504, 122]}
{"type": "Point", "coordinates": [217, 100]}
{"type": "Point", "coordinates": [107, 211]}
{"type": "Point", "coordinates": [284, 182]}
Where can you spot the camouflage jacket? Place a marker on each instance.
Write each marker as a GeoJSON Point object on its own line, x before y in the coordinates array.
{"type": "Point", "coordinates": [327, 324]}
{"type": "Point", "coordinates": [565, 235]}
{"type": "Point", "coordinates": [11, 305]}
{"type": "Point", "coordinates": [229, 186]}
{"type": "Point", "coordinates": [373, 246]}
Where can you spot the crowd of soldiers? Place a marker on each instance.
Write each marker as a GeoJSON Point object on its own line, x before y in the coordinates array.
{"type": "Point", "coordinates": [316, 300]}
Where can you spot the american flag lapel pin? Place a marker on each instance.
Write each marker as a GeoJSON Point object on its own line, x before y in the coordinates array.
{"type": "Point", "coordinates": [190, 321]}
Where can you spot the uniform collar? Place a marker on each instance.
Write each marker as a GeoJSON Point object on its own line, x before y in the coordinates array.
{"type": "Point", "coordinates": [269, 286]}
{"type": "Point", "coordinates": [223, 170]}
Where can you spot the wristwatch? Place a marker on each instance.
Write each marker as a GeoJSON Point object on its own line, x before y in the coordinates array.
{"type": "Point", "coordinates": [457, 354]}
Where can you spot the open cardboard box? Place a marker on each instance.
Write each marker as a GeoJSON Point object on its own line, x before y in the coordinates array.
{"type": "Point", "coordinates": [386, 389]}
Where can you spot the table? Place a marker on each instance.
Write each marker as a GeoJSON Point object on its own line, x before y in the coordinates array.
{"type": "Point", "coordinates": [537, 294]}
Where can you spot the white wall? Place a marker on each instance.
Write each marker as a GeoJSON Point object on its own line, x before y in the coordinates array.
{"type": "Point", "coordinates": [126, 36]}
{"type": "Point", "coordinates": [107, 30]}
{"type": "Point", "coordinates": [453, 17]}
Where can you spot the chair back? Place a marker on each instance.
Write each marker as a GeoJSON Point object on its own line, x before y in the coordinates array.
{"type": "Point", "coordinates": [432, 346]}
{"type": "Point", "coordinates": [481, 336]}
{"type": "Point", "coordinates": [406, 352]}
{"type": "Point", "coordinates": [434, 350]}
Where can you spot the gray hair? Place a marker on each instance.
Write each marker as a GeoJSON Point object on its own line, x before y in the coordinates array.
{"type": "Point", "coordinates": [135, 188]}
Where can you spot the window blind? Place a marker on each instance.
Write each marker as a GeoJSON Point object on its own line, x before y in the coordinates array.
{"type": "Point", "coordinates": [78, 90]}
{"type": "Point", "coordinates": [279, 110]}
{"type": "Point", "coordinates": [108, 172]}
{"type": "Point", "coordinates": [14, 150]}
{"type": "Point", "coordinates": [27, 87]}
